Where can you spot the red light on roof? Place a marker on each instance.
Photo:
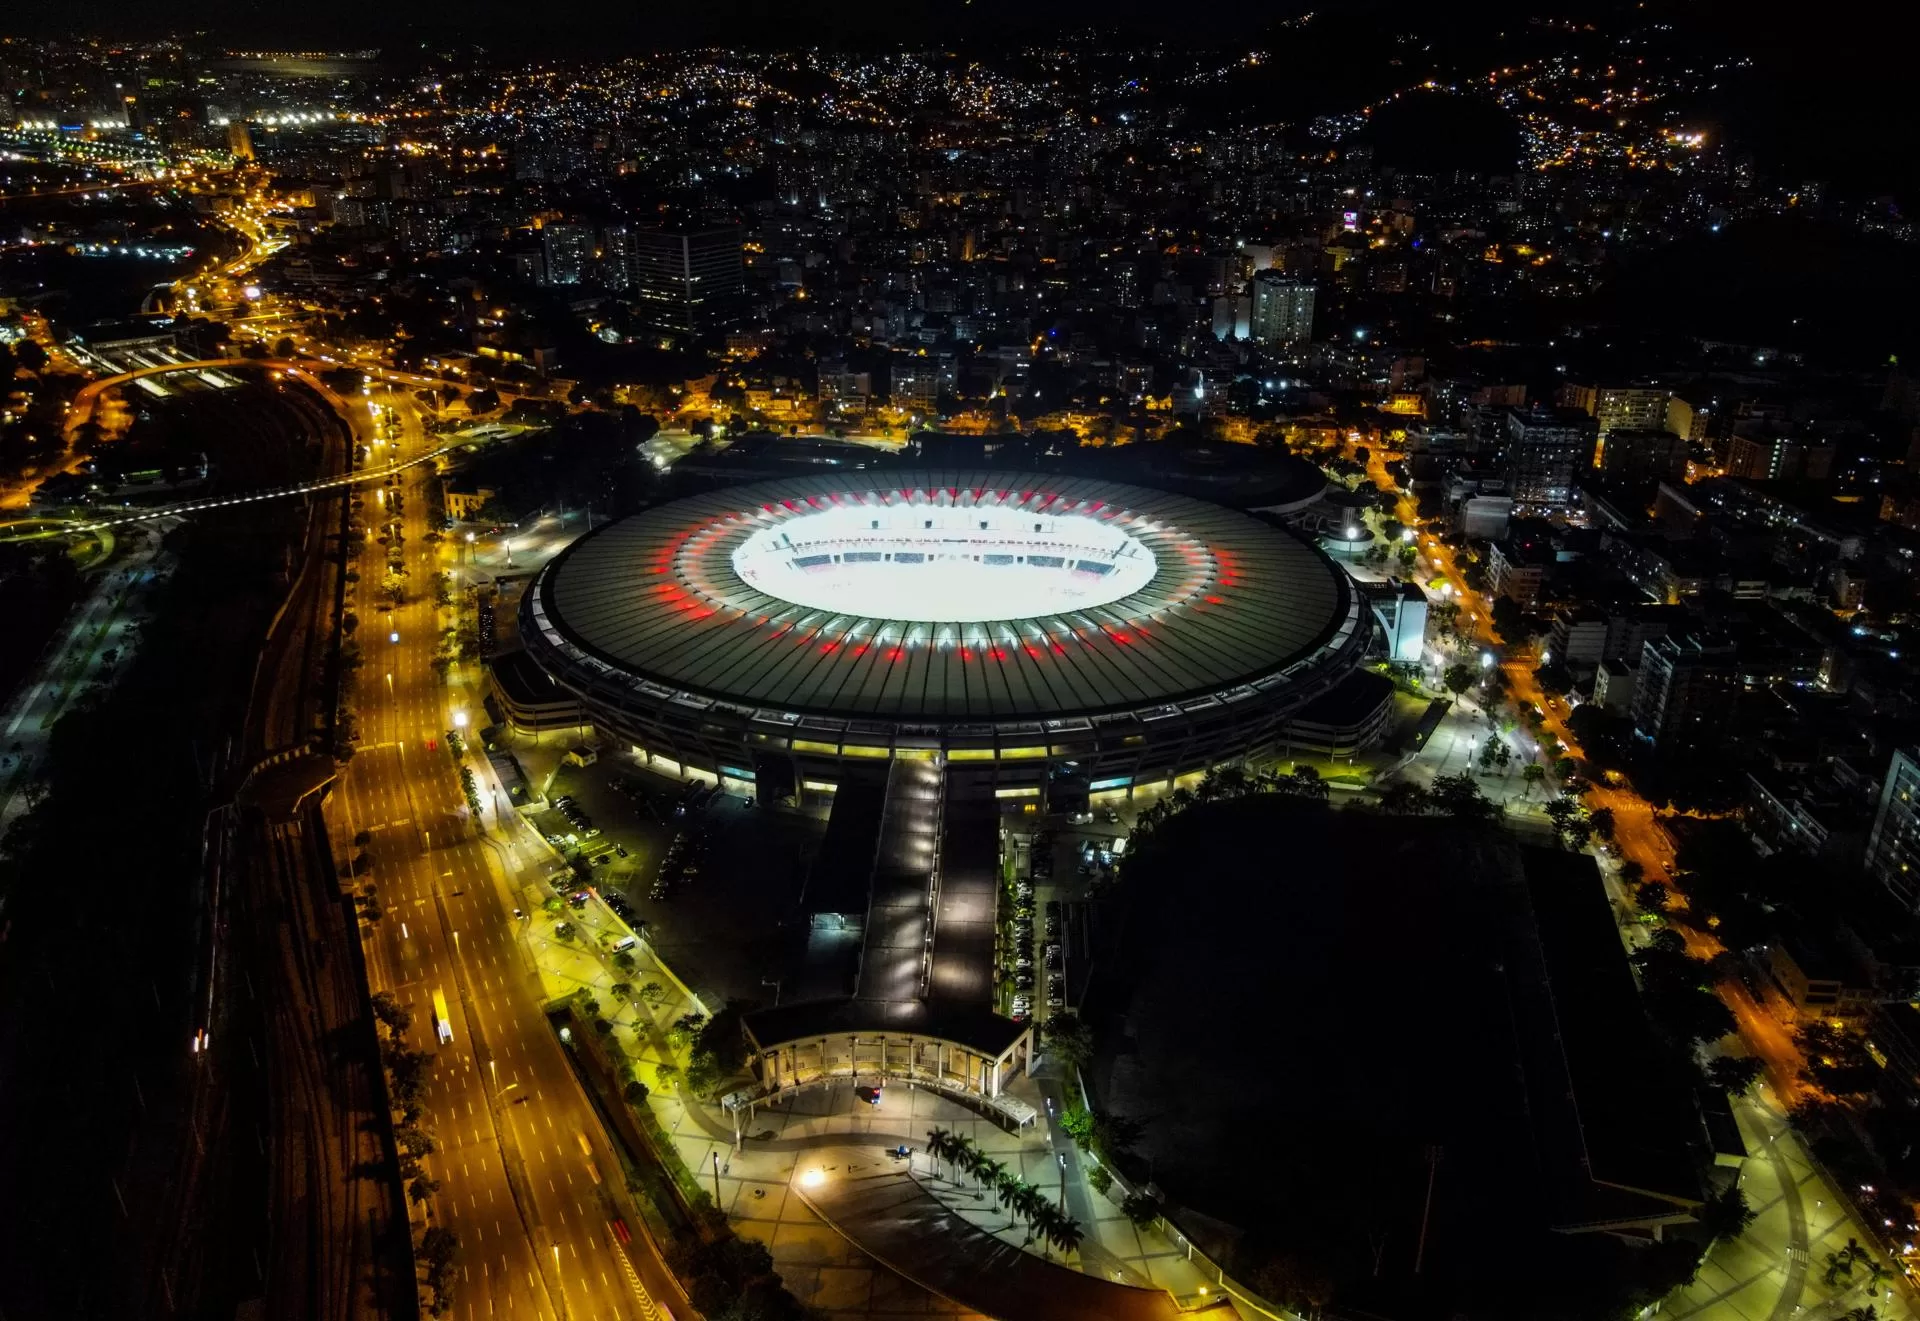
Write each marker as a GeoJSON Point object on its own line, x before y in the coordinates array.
{"type": "Point", "coordinates": [1216, 600]}
{"type": "Point", "coordinates": [828, 648]}
{"type": "Point", "coordinates": [1033, 651]}
{"type": "Point", "coordinates": [998, 653]}
{"type": "Point", "coordinates": [860, 650]}
{"type": "Point", "coordinates": [896, 653]}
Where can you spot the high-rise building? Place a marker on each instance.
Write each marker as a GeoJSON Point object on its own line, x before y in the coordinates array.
{"type": "Point", "coordinates": [1768, 456]}
{"type": "Point", "coordinates": [688, 282]}
{"type": "Point", "coordinates": [1643, 407]}
{"type": "Point", "coordinates": [1282, 310]}
{"type": "Point", "coordinates": [1545, 449]}
{"type": "Point", "coordinates": [1636, 454]}
{"type": "Point", "coordinates": [616, 264]}
{"type": "Point", "coordinates": [1684, 693]}
{"type": "Point", "coordinates": [1893, 847]}
{"type": "Point", "coordinates": [239, 141]}
{"type": "Point", "coordinates": [569, 253]}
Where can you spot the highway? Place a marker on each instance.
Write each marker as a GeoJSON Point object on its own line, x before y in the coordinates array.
{"type": "Point", "coordinates": [527, 1180]}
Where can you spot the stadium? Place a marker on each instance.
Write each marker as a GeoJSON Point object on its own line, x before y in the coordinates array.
{"type": "Point", "coordinates": [1060, 635]}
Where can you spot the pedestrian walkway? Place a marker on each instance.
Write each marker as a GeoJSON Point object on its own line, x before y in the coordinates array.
{"type": "Point", "coordinates": [892, 1215]}
{"type": "Point", "coordinates": [1776, 1271]}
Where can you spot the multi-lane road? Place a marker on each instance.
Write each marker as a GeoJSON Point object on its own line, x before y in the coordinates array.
{"type": "Point", "coordinates": [526, 1178]}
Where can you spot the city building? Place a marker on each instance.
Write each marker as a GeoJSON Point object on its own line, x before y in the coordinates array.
{"type": "Point", "coordinates": [239, 142]}
{"type": "Point", "coordinates": [1516, 570]}
{"type": "Point", "coordinates": [1545, 450]}
{"type": "Point", "coordinates": [687, 282]}
{"type": "Point", "coordinates": [1768, 455]}
{"type": "Point", "coordinates": [1893, 845]}
{"type": "Point", "coordinates": [1613, 685]}
{"type": "Point", "coordinates": [1282, 311]}
{"type": "Point", "coordinates": [568, 251]}
{"type": "Point", "coordinates": [1577, 640]}
{"type": "Point", "coordinates": [1642, 455]}
{"type": "Point", "coordinates": [1683, 693]}
{"type": "Point", "coordinates": [1617, 407]}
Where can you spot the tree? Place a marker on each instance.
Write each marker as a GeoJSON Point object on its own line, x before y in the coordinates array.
{"type": "Point", "coordinates": [1652, 897]}
{"type": "Point", "coordinates": [623, 961]}
{"type": "Point", "coordinates": [1100, 1179]}
{"type": "Point", "coordinates": [1142, 1209]}
{"type": "Point", "coordinates": [1459, 797]}
{"type": "Point", "coordinates": [1601, 819]}
{"type": "Point", "coordinates": [1404, 798]}
{"type": "Point", "coordinates": [1078, 1123]}
{"type": "Point", "coordinates": [1489, 753]}
{"type": "Point", "coordinates": [30, 355]}
{"type": "Point", "coordinates": [1532, 774]}
{"type": "Point", "coordinates": [1113, 1134]}
{"type": "Point", "coordinates": [1458, 678]}
{"type": "Point", "coordinates": [1303, 782]}
{"type": "Point", "coordinates": [1554, 680]}
{"type": "Point", "coordinates": [941, 1146]}
{"type": "Point", "coordinates": [635, 1092]}
{"type": "Point", "coordinates": [422, 1188]}
{"type": "Point", "coordinates": [1068, 1036]}
{"type": "Point", "coordinates": [1837, 1060]}
{"type": "Point", "coordinates": [1735, 1073]}
{"type": "Point", "coordinates": [653, 993]}
{"type": "Point", "coordinates": [391, 1013]}
{"type": "Point", "coordinates": [1726, 1214]}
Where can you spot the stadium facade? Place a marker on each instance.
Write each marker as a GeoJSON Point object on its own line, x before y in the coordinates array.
{"type": "Point", "coordinates": [1018, 622]}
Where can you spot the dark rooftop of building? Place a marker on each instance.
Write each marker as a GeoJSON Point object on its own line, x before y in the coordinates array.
{"type": "Point", "coordinates": [1320, 1000]}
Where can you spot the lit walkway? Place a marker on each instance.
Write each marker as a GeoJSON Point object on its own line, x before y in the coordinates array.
{"type": "Point", "coordinates": [889, 1214]}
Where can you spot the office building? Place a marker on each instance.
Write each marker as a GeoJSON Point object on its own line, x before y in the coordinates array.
{"type": "Point", "coordinates": [1545, 449]}
{"type": "Point", "coordinates": [688, 282]}
{"type": "Point", "coordinates": [239, 142]}
{"type": "Point", "coordinates": [568, 250]}
{"type": "Point", "coordinates": [1893, 847]}
{"type": "Point", "coordinates": [1282, 311]}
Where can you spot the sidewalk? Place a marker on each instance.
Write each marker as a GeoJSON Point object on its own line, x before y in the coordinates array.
{"type": "Point", "coordinates": [1777, 1269]}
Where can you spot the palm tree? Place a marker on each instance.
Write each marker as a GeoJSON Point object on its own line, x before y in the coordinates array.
{"type": "Point", "coordinates": [1028, 1202]}
{"type": "Point", "coordinates": [1008, 1188]}
{"type": "Point", "coordinates": [940, 1146]}
{"type": "Point", "coordinates": [1867, 1313]}
{"type": "Point", "coordinates": [1065, 1233]}
{"type": "Point", "coordinates": [1838, 1264]}
{"type": "Point", "coordinates": [989, 1172]}
{"type": "Point", "coordinates": [1876, 1272]}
